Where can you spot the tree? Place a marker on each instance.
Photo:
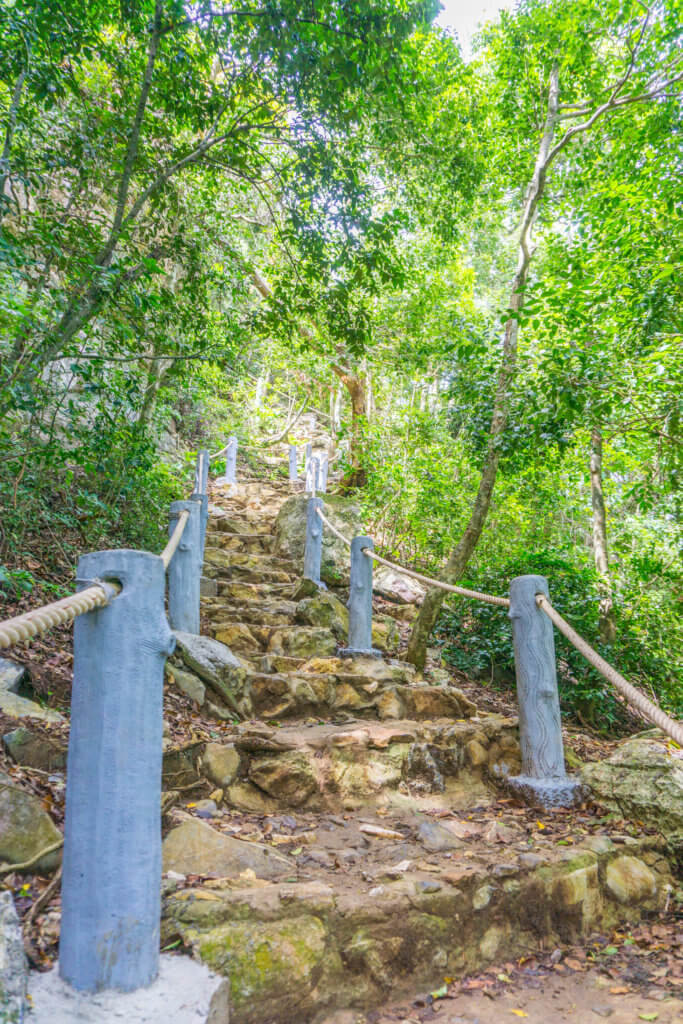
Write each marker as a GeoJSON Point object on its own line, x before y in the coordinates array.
{"type": "Point", "coordinates": [553, 38]}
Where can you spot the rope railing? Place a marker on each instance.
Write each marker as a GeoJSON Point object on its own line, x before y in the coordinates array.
{"type": "Point", "coordinates": [333, 529]}
{"type": "Point", "coordinates": [23, 627]}
{"type": "Point", "coordinates": [174, 540]}
{"type": "Point", "coordinates": [647, 708]}
{"type": "Point", "coordinates": [477, 595]}
{"type": "Point", "coordinates": [633, 695]}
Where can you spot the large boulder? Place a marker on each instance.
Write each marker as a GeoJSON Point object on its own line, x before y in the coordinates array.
{"type": "Point", "coordinates": [642, 781]}
{"type": "Point", "coordinates": [290, 534]}
{"type": "Point", "coordinates": [397, 587]}
{"type": "Point", "coordinates": [13, 965]}
{"type": "Point", "coordinates": [194, 848]}
{"type": "Point", "coordinates": [215, 664]}
{"type": "Point", "coordinates": [26, 830]}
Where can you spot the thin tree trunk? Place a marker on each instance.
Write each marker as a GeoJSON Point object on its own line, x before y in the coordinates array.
{"type": "Point", "coordinates": [461, 554]}
{"type": "Point", "coordinates": [608, 624]}
{"type": "Point", "coordinates": [355, 384]}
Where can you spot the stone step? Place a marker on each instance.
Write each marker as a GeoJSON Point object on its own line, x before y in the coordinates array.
{"type": "Point", "coordinates": [248, 574]}
{"type": "Point", "coordinates": [227, 559]}
{"type": "Point", "coordinates": [300, 694]}
{"type": "Point", "coordinates": [248, 638]}
{"type": "Point", "coordinates": [247, 542]}
{"type": "Point", "coordinates": [327, 767]}
{"type": "Point", "coordinates": [350, 920]}
{"type": "Point", "coordinates": [243, 590]}
{"type": "Point", "coordinates": [280, 663]}
{"type": "Point", "coordinates": [266, 613]}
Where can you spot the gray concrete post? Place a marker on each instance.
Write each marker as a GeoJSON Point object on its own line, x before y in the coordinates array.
{"type": "Point", "coordinates": [184, 570]}
{"type": "Point", "coordinates": [203, 500]}
{"type": "Point", "coordinates": [293, 472]}
{"type": "Point", "coordinates": [543, 780]}
{"type": "Point", "coordinates": [312, 474]}
{"type": "Point", "coordinates": [314, 540]}
{"type": "Point", "coordinates": [308, 454]}
{"type": "Point", "coordinates": [360, 601]}
{"type": "Point", "coordinates": [231, 461]}
{"type": "Point", "coordinates": [112, 837]}
{"type": "Point", "coordinates": [324, 469]}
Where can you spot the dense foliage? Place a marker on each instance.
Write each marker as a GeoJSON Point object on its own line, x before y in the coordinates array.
{"type": "Point", "coordinates": [210, 216]}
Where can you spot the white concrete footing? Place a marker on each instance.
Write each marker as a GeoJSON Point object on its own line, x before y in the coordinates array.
{"type": "Point", "coordinates": [185, 992]}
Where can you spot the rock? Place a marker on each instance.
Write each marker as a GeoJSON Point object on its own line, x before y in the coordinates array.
{"type": "Point", "coordinates": [385, 634]}
{"type": "Point", "coordinates": [13, 964]}
{"type": "Point", "coordinates": [187, 682]}
{"type": "Point", "coordinates": [476, 754]}
{"type": "Point", "coordinates": [207, 587]}
{"type": "Point", "coordinates": [397, 587]}
{"type": "Point", "coordinates": [324, 610]}
{"type": "Point", "coordinates": [402, 612]}
{"type": "Point", "coordinates": [19, 707]}
{"type": "Point", "coordinates": [195, 848]}
{"type": "Point", "coordinates": [427, 885]}
{"type": "Point", "coordinates": [214, 663]}
{"type": "Point", "coordinates": [643, 781]}
{"type": "Point", "coordinates": [629, 880]}
{"type": "Point", "coordinates": [420, 770]}
{"type": "Point", "coordinates": [435, 702]}
{"type": "Point", "coordinates": [290, 778]}
{"type": "Point", "coordinates": [437, 838]}
{"type": "Point", "coordinates": [302, 642]}
{"type": "Point", "coordinates": [34, 751]}
{"type": "Point", "coordinates": [389, 706]}
{"type": "Point", "coordinates": [25, 830]}
{"type": "Point", "coordinates": [238, 635]}
{"type": "Point", "coordinates": [206, 808]}
{"type": "Point", "coordinates": [220, 764]}
{"type": "Point", "coordinates": [14, 678]}
{"type": "Point", "coordinates": [305, 588]}
{"type": "Point", "coordinates": [273, 967]}
{"type": "Point", "coordinates": [180, 765]}
{"type": "Point", "coordinates": [290, 534]}
{"type": "Point", "coordinates": [246, 797]}
{"type": "Point", "coordinates": [497, 832]}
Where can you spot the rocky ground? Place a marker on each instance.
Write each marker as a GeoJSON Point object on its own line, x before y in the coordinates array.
{"type": "Point", "coordinates": [338, 833]}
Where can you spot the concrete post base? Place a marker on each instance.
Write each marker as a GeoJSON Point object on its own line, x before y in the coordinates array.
{"type": "Point", "coordinates": [563, 791]}
{"type": "Point", "coordinates": [357, 652]}
{"type": "Point", "coordinates": [185, 992]}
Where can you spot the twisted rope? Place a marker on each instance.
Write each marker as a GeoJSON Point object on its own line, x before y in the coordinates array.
{"type": "Point", "coordinates": [23, 627]}
{"type": "Point", "coordinates": [174, 540]}
{"type": "Point", "coordinates": [333, 529]}
{"type": "Point", "coordinates": [502, 602]}
{"type": "Point", "coordinates": [634, 697]}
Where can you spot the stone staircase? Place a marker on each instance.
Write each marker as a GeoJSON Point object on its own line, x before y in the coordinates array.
{"type": "Point", "coordinates": [359, 842]}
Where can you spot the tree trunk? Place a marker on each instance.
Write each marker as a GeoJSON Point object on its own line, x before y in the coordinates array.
{"type": "Point", "coordinates": [608, 624]}
{"type": "Point", "coordinates": [461, 554]}
{"type": "Point", "coordinates": [355, 384]}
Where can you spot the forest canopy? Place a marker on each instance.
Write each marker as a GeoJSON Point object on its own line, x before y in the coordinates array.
{"type": "Point", "coordinates": [211, 215]}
